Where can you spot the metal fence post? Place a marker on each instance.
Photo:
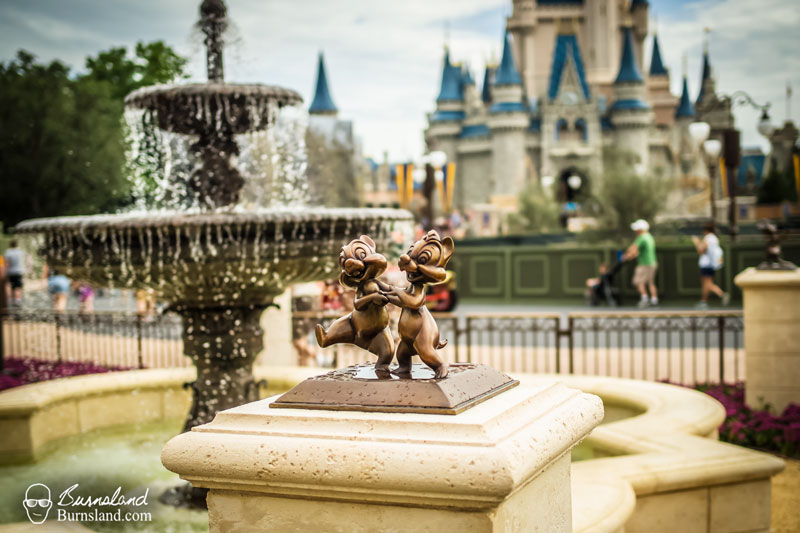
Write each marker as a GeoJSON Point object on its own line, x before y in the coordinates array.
{"type": "Point", "coordinates": [557, 333]}
{"type": "Point", "coordinates": [58, 336]}
{"type": "Point", "coordinates": [571, 344]}
{"type": "Point", "coordinates": [140, 356]}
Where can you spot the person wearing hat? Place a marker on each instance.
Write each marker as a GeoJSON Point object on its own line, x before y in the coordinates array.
{"type": "Point", "coordinates": [644, 250]}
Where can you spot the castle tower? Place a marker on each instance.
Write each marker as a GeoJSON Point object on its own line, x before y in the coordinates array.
{"type": "Point", "coordinates": [445, 122]}
{"type": "Point", "coordinates": [508, 119]}
{"type": "Point", "coordinates": [473, 105]}
{"type": "Point", "coordinates": [322, 104]}
{"type": "Point", "coordinates": [685, 110]}
{"type": "Point", "coordinates": [640, 15]}
{"type": "Point", "coordinates": [664, 104]}
{"type": "Point", "coordinates": [710, 108]}
{"type": "Point", "coordinates": [631, 115]}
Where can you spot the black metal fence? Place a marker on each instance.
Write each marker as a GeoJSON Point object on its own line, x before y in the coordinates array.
{"type": "Point", "coordinates": [680, 346]}
{"type": "Point", "coordinates": [109, 339]}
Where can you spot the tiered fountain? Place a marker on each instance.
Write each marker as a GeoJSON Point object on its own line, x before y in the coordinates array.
{"type": "Point", "coordinates": [220, 262]}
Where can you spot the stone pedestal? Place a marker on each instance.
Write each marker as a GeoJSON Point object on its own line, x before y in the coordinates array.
{"type": "Point", "coordinates": [503, 465]}
{"type": "Point", "coordinates": [771, 336]}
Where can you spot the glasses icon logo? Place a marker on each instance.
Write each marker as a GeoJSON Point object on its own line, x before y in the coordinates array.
{"type": "Point", "coordinates": [37, 502]}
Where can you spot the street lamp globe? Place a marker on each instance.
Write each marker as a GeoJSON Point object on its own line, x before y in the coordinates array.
{"type": "Point", "coordinates": [765, 127]}
{"type": "Point", "coordinates": [712, 148]}
{"type": "Point", "coordinates": [437, 159]}
{"type": "Point", "coordinates": [418, 175]}
{"type": "Point", "coordinates": [574, 181]}
{"type": "Point", "coordinates": [438, 175]}
{"type": "Point", "coordinates": [699, 132]}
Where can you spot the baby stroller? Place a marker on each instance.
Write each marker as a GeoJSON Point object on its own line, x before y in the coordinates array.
{"type": "Point", "coordinates": [605, 290]}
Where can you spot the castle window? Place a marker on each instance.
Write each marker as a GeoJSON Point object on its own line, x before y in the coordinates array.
{"type": "Point", "coordinates": [580, 127]}
{"type": "Point", "coordinates": [562, 127]}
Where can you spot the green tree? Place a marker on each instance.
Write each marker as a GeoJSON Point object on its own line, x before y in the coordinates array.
{"type": "Point", "coordinates": [62, 137]}
{"type": "Point", "coordinates": [61, 144]}
{"type": "Point", "coordinates": [152, 63]}
{"type": "Point", "coordinates": [777, 187]}
{"type": "Point", "coordinates": [537, 212]}
{"type": "Point", "coordinates": [625, 195]}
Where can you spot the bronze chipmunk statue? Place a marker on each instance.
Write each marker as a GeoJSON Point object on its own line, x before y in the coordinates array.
{"type": "Point", "coordinates": [367, 326]}
{"type": "Point", "coordinates": [424, 263]}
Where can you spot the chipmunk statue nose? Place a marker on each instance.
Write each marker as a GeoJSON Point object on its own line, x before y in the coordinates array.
{"type": "Point", "coordinates": [406, 264]}
{"type": "Point", "coordinates": [353, 267]}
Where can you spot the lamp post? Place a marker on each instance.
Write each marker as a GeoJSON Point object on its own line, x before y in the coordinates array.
{"type": "Point", "coordinates": [434, 177]}
{"type": "Point", "coordinates": [712, 148]}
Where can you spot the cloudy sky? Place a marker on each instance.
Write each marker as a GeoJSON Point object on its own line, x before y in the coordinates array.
{"type": "Point", "coordinates": [384, 57]}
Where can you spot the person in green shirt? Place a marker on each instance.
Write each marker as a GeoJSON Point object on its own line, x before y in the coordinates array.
{"type": "Point", "coordinates": [644, 250]}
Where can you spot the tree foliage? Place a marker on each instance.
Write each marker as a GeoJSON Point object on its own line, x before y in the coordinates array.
{"type": "Point", "coordinates": [62, 145]}
{"type": "Point", "coordinates": [537, 212]}
{"type": "Point", "coordinates": [626, 196]}
{"type": "Point", "coordinates": [777, 187]}
{"type": "Point", "coordinates": [152, 63]}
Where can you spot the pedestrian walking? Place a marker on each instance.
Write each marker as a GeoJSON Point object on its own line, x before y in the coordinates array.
{"type": "Point", "coordinates": [643, 250]}
{"type": "Point", "coordinates": [58, 288]}
{"type": "Point", "coordinates": [711, 260]}
{"type": "Point", "coordinates": [16, 262]}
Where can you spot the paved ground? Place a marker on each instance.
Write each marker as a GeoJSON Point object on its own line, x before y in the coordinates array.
{"type": "Point", "coordinates": [786, 498]}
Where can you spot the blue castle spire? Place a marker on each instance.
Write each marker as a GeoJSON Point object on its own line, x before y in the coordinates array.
{"type": "Point", "coordinates": [628, 71]}
{"type": "Point", "coordinates": [706, 75]}
{"type": "Point", "coordinates": [451, 81]}
{"type": "Point", "coordinates": [486, 92]}
{"type": "Point", "coordinates": [507, 72]}
{"type": "Point", "coordinates": [322, 103]}
{"type": "Point", "coordinates": [656, 64]}
{"type": "Point", "coordinates": [685, 108]}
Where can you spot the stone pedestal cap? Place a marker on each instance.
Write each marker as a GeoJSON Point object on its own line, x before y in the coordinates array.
{"type": "Point", "coordinates": [473, 460]}
{"type": "Point", "coordinates": [752, 277]}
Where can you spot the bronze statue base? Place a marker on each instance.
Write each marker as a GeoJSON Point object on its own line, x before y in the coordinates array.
{"type": "Point", "coordinates": [361, 388]}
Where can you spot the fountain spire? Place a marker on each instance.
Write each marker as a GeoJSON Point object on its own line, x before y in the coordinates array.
{"type": "Point", "coordinates": [213, 23]}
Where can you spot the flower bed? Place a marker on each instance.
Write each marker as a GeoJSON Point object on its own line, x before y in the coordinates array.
{"type": "Point", "coordinates": [21, 371]}
{"type": "Point", "coordinates": [756, 428]}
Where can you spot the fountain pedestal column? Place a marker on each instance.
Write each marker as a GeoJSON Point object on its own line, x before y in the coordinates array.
{"type": "Point", "coordinates": [772, 336]}
{"type": "Point", "coordinates": [223, 343]}
{"type": "Point", "coordinates": [503, 465]}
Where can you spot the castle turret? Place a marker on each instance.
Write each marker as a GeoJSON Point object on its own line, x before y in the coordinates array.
{"type": "Point", "coordinates": [658, 93]}
{"type": "Point", "coordinates": [640, 15]}
{"type": "Point", "coordinates": [488, 81]}
{"type": "Point", "coordinates": [322, 104]}
{"type": "Point", "coordinates": [631, 115]}
{"type": "Point", "coordinates": [685, 109]}
{"type": "Point", "coordinates": [710, 108]}
{"type": "Point", "coordinates": [508, 121]}
{"type": "Point", "coordinates": [472, 100]}
{"type": "Point", "coordinates": [446, 121]}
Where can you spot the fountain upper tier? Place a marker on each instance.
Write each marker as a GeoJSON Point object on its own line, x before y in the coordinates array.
{"type": "Point", "coordinates": [212, 108]}
{"type": "Point", "coordinates": [210, 259]}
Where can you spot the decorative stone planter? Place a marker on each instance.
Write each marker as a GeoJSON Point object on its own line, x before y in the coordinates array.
{"type": "Point", "coordinates": [772, 335]}
{"type": "Point", "coordinates": [503, 465]}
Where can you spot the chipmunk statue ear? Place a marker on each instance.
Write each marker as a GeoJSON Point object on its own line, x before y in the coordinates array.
{"type": "Point", "coordinates": [367, 239]}
{"type": "Point", "coordinates": [447, 249]}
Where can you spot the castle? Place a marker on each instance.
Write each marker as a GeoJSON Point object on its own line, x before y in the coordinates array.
{"type": "Point", "coordinates": [572, 81]}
